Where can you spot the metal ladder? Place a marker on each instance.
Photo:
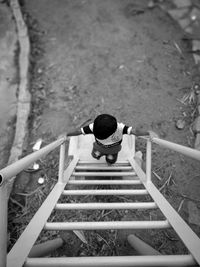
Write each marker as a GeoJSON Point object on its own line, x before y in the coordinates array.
{"type": "Point", "coordinates": [128, 167]}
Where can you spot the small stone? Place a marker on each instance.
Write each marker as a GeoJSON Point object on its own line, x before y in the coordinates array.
{"type": "Point", "coordinates": [40, 86]}
{"type": "Point", "coordinates": [39, 71]}
{"type": "Point", "coordinates": [189, 30]}
{"type": "Point", "coordinates": [180, 124]}
{"type": "Point", "coordinates": [121, 67]}
{"type": "Point", "coordinates": [184, 23]}
{"type": "Point", "coordinates": [196, 59]}
{"type": "Point", "coordinates": [36, 166]}
{"type": "Point", "coordinates": [182, 3]}
{"type": "Point", "coordinates": [195, 45]}
{"type": "Point", "coordinates": [197, 88]}
{"type": "Point", "coordinates": [41, 180]}
{"type": "Point", "coordinates": [151, 4]}
{"type": "Point", "coordinates": [178, 13]}
{"type": "Point", "coordinates": [195, 14]}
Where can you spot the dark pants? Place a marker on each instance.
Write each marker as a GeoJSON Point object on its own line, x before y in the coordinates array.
{"type": "Point", "coordinates": [111, 153]}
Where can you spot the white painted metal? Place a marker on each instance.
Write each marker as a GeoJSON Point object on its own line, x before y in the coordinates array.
{"type": "Point", "coordinates": [114, 261]}
{"type": "Point", "coordinates": [111, 225]}
{"type": "Point", "coordinates": [105, 192]}
{"type": "Point", "coordinates": [118, 163]}
{"type": "Point", "coordinates": [190, 152]}
{"type": "Point", "coordinates": [105, 206]}
{"type": "Point", "coordinates": [103, 174]}
{"type": "Point", "coordinates": [99, 168]}
{"type": "Point", "coordinates": [45, 248]}
{"type": "Point", "coordinates": [190, 239]}
{"type": "Point", "coordinates": [17, 255]}
{"type": "Point", "coordinates": [148, 161]}
{"type": "Point", "coordinates": [141, 247]}
{"type": "Point", "coordinates": [104, 182]}
{"type": "Point", "coordinates": [3, 224]}
{"type": "Point", "coordinates": [61, 163]}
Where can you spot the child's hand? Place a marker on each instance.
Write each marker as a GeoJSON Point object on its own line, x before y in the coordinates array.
{"type": "Point", "coordinates": [64, 136]}
{"type": "Point", "coordinates": [153, 135]}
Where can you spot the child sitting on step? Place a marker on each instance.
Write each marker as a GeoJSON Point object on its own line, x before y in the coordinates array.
{"type": "Point", "coordinates": [108, 135]}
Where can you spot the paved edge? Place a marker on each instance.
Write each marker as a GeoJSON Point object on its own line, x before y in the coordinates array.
{"type": "Point", "coordinates": [24, 96]}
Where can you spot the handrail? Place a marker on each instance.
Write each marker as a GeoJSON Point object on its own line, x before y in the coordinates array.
{"type": "Point", "coordinates": [18, 166]}
{"type": "Point", "coordinates": [187, 151]}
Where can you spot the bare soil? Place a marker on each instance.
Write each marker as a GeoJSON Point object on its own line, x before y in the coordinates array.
{"type": "Point", "coordinates": [116, 57]}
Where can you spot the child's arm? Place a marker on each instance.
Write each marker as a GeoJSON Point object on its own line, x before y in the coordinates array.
{"type": "Point", "coordinates": [139, 132]}
{"type": "Point", "coordinates": [75, 132]}
{"type": "Point", "coordinates": [151, 134]}
{"type": "Point", "coordinates": [84, 130]}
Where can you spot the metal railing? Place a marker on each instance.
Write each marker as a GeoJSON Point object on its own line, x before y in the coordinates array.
{"type": "Point", "coordinates": [187, 151]}
{"type": "Point", "coordinates": [15, 168]}
{"type": "Point", "coordinates": [11, 171]}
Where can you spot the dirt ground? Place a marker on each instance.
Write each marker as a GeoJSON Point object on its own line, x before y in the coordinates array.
{"type": "Point", "coordinates": [119, 57]}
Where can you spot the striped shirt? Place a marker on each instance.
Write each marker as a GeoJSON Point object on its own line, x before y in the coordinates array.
{"type": "Point", "coordinates": [114, 139]}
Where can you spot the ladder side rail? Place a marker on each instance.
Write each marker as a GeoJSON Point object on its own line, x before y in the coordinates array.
{"type": "Point", "coordinates": [148, 160]}
{"type": "Point", "coordinates": [17, 256]}
{"type": "Point", "coordinates": [190, 239]}
{"type": "Point", "coordinates": [61, 163]}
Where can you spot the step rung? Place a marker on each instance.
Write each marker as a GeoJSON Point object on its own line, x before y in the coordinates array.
{"type": "Point", "coordinates": [122, 162]}
{"type": "Point", "coordinates": [108, 225]}
{"type": "Point", "coordinates": [97, 167]}
{"type": "Point", "coordinates": [103, 174]}
{"type": "Point", "coordinates": [105, 182]}
{"type": "Point", "coordinates": [105, 192]}
{"type": "Point", "coordinates": [105, 206]}
{"type": "Point", "coordinates": [113, 261]}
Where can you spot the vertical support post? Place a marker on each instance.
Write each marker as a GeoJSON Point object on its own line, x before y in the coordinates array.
{"type": "Point", "coordinates": [61, 163]}
{"type": "Point", "coordinates": [3, 224]}
{"type": "Point", "coordinates": [148, 161]}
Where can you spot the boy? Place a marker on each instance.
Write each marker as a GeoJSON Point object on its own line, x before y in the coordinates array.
{"type": "Point", "coordinates": [108, 135]}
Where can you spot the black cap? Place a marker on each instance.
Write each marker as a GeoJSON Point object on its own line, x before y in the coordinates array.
{"type": "Point", "coordinates": [104, 126]}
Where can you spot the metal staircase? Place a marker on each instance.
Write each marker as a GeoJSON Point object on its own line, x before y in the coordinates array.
{"type": "Point", "coordinates": [126, 172]}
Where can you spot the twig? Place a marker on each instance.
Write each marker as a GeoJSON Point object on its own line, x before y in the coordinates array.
{"type": "Point", "coordinates": [166, 182]}
{"type": "Point", "coordinates": [181, 101]}
{"type": "Point", "coordinates": [104, 240]}
{"type": "Point", "coordinates": [192, 199]}
{"type": "Point", "coordinates": [16, 202]}
{"type": "Point", "coordinates": [124, 198]}
{"type": "Point", "coordinates": [169, 237]}
{"type": "Point", "coordinates": [105, 214]}
{"type": "Point", "coordinates": [30, 194]}
{"type": "Point", "coordinates": [157, 176]}
{"type": "Point", "coordinates": [162, 245]}
{"type": "Point", "coordinates": [181, 204]}
{"type": "Point", "coordinates": [178, 48]}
